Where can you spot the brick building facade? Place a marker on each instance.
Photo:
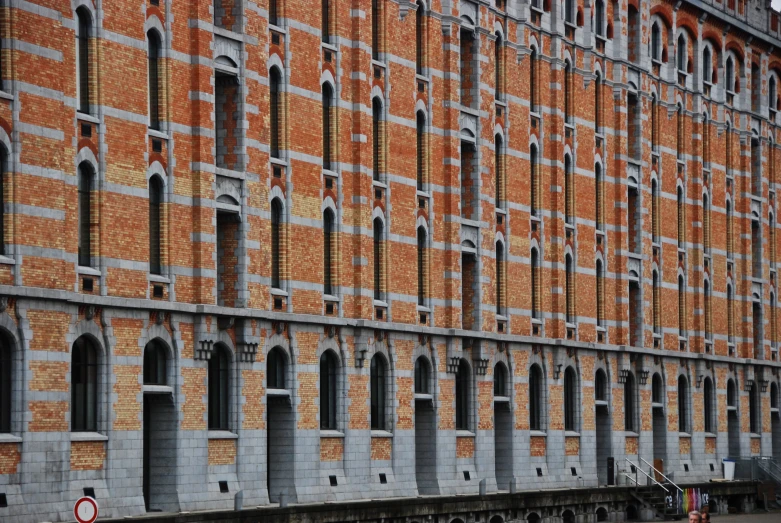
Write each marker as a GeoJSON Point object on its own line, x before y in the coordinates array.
{"type": "Point", "coordinates": [318, 251]}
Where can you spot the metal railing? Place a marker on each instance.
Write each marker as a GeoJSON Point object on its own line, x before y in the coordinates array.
{"type": "Point", "coordinates": [672, 495]}
{"type": "Point", "coordinates": [655, 471]}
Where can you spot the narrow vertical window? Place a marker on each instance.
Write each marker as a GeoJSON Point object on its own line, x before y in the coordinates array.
{"type": "Point", "coordinates": [468, 70]}
{"type": "Point", "coordinates": [730, 76]}
{"type": "Point", "coordinates": [535, 398]}
{"type": "Point", "coordinates": [275, 109]}
{"type": "Point", "coordinates": [83, 30]}
{"type": "Point", "coordinates": [84, 386]}
{"type": "Point", "coordinates": [377, 148]}
{"type": "Point", "coordinates": [155, 201]}
{"type": "Point", "coordinates": [633, 16]}
{"type": "Point", "coordinates": [656, 42]}
{"type": "Point", "coordinates": [570, 289]}
{"type": "Point", "coordinates": [681, 54]}
{"type": "Point", "coordinates": [683, 405]}
{"type": "Point", "coordinates": [3, 170]}
{"type": "Point", "coordinates": [599, 18]}
{"type": "Point", "coordinates": [499, 163]}
{"type": "Point", "coordinates": [756, 87]}
{"type": "Point", "coordinates": [500, 380]}
{"type": "Point", "coordinates": [772, 98]}
{"type": "Point", "coordinates": [681, 218]}
{"type": "Point", "coordinates": [679, 147]}
{"type": "Point", "coordinates": [756, 167]}
{"type": "Point", "coordinates": [378, 387]}
{"type": "Point", "coordinates": [756, 250]}
{"type": "Point", "coordinates": [154, 364]}
{"type": "Point", "coordinates": [600, 294]}
{"type": "Point", "coordinates": [598, 104]}
{"type": "Point", "coordinates": [706, 140]}
{"type": "Point", "coordinates": [421, 155]}
{"type": "Point", "coordinates": [773, 321]}
{"type": "Point", "coordinates": [533, 81]}
{"type": "Point", "coordinates": [567, 92]}
{"type": "Point", "coordinates": [536, 284]}
{"type": "Point", "coordinates": [275, 369]}
{"type": "Point", "coordinates": [569, 191]}
{"type": "Point", "coordinates": [422, 375]}
{"type": "Point", "coordinates": [325, 28]}
{"type": "Point", "coordinates": [654, 123]}
{"type": "Point", "coordinates": [378, 269]}
{"type": "Point", "coordinates": [771, 224]}
{"type": "Point", "coordinates": [707, 65]}
{"type": "Point", "coordinates": [629, 403]}
{"type": "Point", "coordinates": [498, 69]}
{"type": "Point", "coordinates": [657, 306]}
{"type": "Point", "coordinates": [730, 315]}
{"type": "Point", "coordinates": [85, 214]}
{"type": "Point", "coordinates": [535, 185]}
{"type": "Point", "coordinates": [154, 79]}
{"type": "Point", "coordinates": [706, 224]}
{"type": "Point", "coordinates": [569, 8]}
{"type": "Point", "coordinates": [599, 207]}
{"type": "Point", "coordinates": [328, 95]}
{"type": "Point", "coordinates": [376, 28]}
{"type": "Point", "coordinates": [681, 307]}
{"type": "Point", "coordinates": [462, 396]}
{"type": "Point", "coordinates": [422, 266]}
{"type": "Point", "coordinates": [219, 389]}
{"type": "Point", "coordinates": [500, 279]}
{"type": "Point", "coordinates": [420, 38]}
{"type": "Point", "coordinates": [729, 230]}
{"type": "Point", "coordinates": [276, 244]}
{"type": "Point", "coordinates": [328, 241]}
{"type": "Point", "coordinates": [6, 363]}
{"type": "Point", "coordinates": [328, 391]}
{"type": "Point", "coordinates": [655, 225]}
{"type": "Point", "coordinates": [634, 127]}
{"type": "Point", "coordinates": [707, 306]}
{"type": "Point", "coordinates": [570, 399]}
{"type": "Point", "coordinates": [707, 397]}
{"type": "Point", "coordinates": [273, 12]}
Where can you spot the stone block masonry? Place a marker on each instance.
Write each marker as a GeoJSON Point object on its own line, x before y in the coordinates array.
{"type": "Point", "coordinates": [341, 251]}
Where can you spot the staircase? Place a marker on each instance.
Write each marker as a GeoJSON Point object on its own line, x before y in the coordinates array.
{"type": "Point", "coordinates": [769, 470]}
{"type": "Point", "coordinates": [661, 498]}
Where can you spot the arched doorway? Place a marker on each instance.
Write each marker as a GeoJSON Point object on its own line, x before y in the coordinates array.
{"type": "Point", "coordinates": [503, 428]}
{"type": "Point", "coordinates": [280, 431]}
{"type": "Point", "coordinates": [733, 420]}
{"type": "Point", "coordinates": [159, 430]}
{"type": "Point", "coordinates": [603, 426]}
{"type": "Point", "coordinates": [425, 429]}
{"type": "Point", "coordinates": [659, 423]}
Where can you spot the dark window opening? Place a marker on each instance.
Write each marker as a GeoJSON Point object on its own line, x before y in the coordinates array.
{"type": "Point", "coordinates": [154, 363]}
{"type": "Point", "coordinates": [422, 372]}
{"type": "Point", "coordinates": [85, 214]}
{"type": "Point", "coordinates": [155, 201]}
{"type": "Point", "coordinates": [84, 386]}
{"type": "Point", "coordinates": [276, 369]}
{"type": "Point", "coordinates": [328, 369]}
{"type": "Point", "coordinates": [219, 389]}
{"type": "Point", "coordinates": [535, 398]}
{"type": "Point", "coordinates": [570, 399]}
{"type": "Point", "coordinates": [378, 392]}
{"type": "Point", "coordinates": [462, 396]}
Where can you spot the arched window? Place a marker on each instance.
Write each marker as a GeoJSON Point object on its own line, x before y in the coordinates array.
{"type": "Point", "coordinates": [378, 262]}
{"type": "Point", "coordinates": [600, 294]}
{"type": "Point", "coordinates": [569, 191]}
{"type": "Point", "coordinates": [729, 79]}
{"type": "Point", "coordinates": [681, 218]}
{"type": "Point", "coordinates": [706, 303]}
{"type": "Point", "coordinates": [328, 95]}
{"type": "Point", "coordinates": [707, 398]}
{"type": "Point", "coordinates": [730, 317]}
{"type": "Point", "coordinates": [155, 200]}
{"type": "Point", "coordinates": [83, 36]}
{"type": "Point", "coordinates": [654, 123]}
{"type": "Point", "coordinates": [154, 363]}
{"type": "Point", "coordinates": [85, 214]}
{"type": "Point", "coordinates": [707, 65]}
{"type": "Point", "coordinates": [570, 288]}
{"type": "Point", "coordinates": [773, 396]}
{"type": "Point", "coordinates": [84, 386]}
{"type": "Point", "coordinates": [629, 403]}
{"type": "Point", "coordinates": [378, 392]}
{"type": "Point", "coordinates": [275, 110]}
{"type": "Point", "coordinates": [328, 391]}
{"type": "Point", "coordinates": [599, 18]}
{"type": "Point", "coordinates": [422, 266]}
{"type": "Point", "coordinates": [655, 225]}
{"type": "Point", "coordinates": [421, 146]}
{"type": "Point", "coordinates": [729, 229]}
{"type": "Point", "coordinates": [753, 410]}
{"type": "Point", "coordinates": [657, 305]}
{"type": "Point", "coordinates": [681, 307]}
{"type": "Point", "coordinates": [275, 369]}
{"type": "Point", "coordinates": [328, 252]}
{"type": "Point", "coordinates": [535, 398]}
{"type": "Point", "coordinates": [276, 243]}
{"type": "Point", "coordinates": [219, 389]}
{"type": "Point", "coordinates": [325, 27]}
{"type": "Point", "coordinates": [756, 87]}
{"type": "Point", "coordinates": [535, 185]}
{"type": "Point", "coordinates": [657, 389]}
{"type": "Point", "coordinates": [600, 386]}
{"type": "Point", "coordinates": [377, 149]}
{"type": "Point", "coordinates": [499, 163]}
{"type": "Point", "coordinates": [6, 374]}
{"type": "Point", "coordinates": [536, 284]}
{"type": "Point", "coordinates": [154, 79]}
{"type": "Point", "coordinates": [772, 99]}
{"type": "Point", "coordinates": [732, 394]}
{"type": "Point", "coordinates": [422, 373]}
{"type": "Point", "coordinates": [681, 54]}
{"type": "Point", "coordinates": [599, 199]}
{"type": "Point", "coordinates": [462, 396]}
{"type": "Point", "coordinates": [656, 42]}
{"type": "Point", "coordinates": [500, 306]}
{"type": "Point", "coordinates": [420, 38]}
{"type": "Point", "coordinates": [683, 404]}
{"type": "Point", "coordinates": [679, 129]}
{"type": "Point", "coordinates": [498, 68]}
{"type": "Point", "coordinates": [500, 380]}
{"type": "Point", "coordinates": [570, 399]}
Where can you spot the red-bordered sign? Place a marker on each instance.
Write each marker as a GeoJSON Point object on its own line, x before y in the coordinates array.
{"type": "Point", "coordinates": [86, 510]}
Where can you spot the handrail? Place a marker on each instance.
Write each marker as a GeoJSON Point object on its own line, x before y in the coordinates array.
{"type": "Point", "coordinates": [637, 468]}
{"type": "Point", "coordinates": [661, 474]}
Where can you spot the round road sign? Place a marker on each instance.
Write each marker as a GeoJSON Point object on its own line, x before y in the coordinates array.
{"type": "Point", "coordinates": [86, 510]}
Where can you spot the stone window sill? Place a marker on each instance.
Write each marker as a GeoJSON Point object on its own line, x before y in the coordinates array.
{"type": "Point", "coordinates": [89, 271]}
{"type": "Point", "coordinates": [88, 436]}
{"type": "Point", "coordinates": [331, 434]}
{"type": "Point", "coordinates": [7, 260]}
{"type": "Point", "coordinates": [156, 278]}
{"type": "Point", "coordinates": [538, 433]}
{"type": "Point", "coordinates": [381, 434]}
{"type": "Point", "coordinates": [465, 434]}
{"type": "Point", "coordinates": [10, 438]}
{"type": "Point", "coordinates": [222, 434]}
{"type": "Point", "coordinates": [572, 434]}
{"type": "Point", "coordinates": [157, 389]}
{"type": "Point", "coordinates": [87, 117]}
